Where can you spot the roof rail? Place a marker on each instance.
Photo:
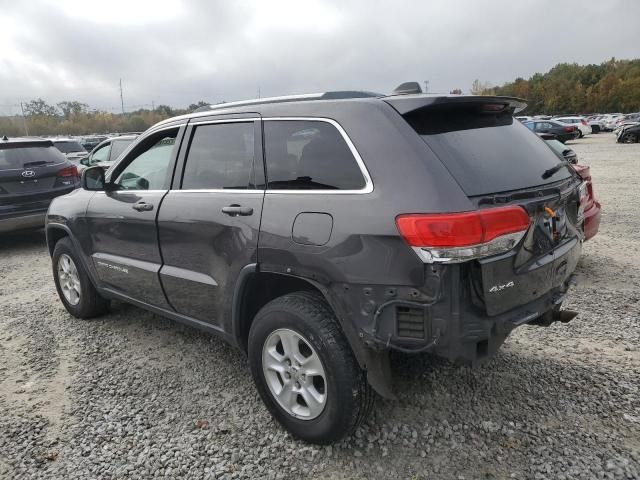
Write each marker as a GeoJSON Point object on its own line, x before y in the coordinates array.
{"type": "Point", "coordinates": [337, 95]}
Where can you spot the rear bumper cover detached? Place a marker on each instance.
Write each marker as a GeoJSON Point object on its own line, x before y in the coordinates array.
{"type": "Point", "coordinates": [456, 323]}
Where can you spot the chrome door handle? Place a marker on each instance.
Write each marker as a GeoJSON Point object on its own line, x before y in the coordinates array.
{"type": "Point", "coordinates": [143, 207]}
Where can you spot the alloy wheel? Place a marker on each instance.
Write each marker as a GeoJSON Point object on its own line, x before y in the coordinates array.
{"type": "Point", "coordinates": [294, 374]}
{"type": "Point", "coordinates": [69, 279]}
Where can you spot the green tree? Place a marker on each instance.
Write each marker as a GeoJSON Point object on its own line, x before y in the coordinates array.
{"type": "Point", "coordinates": [39, 107]}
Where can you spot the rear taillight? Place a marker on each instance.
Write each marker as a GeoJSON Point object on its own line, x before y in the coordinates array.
{"type": "Point", "coordinates": [569, 129]}
{"type": "Point", "coordinates": [71, 171]}
{"type": "Point", "coordinates": [583, 122]}
{"type": "Point", "coordinates": [457, 237]}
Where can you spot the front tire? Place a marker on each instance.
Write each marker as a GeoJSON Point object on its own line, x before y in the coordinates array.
{"type": "Point", "coordinates": [629, 138]}
{"type": "Point", "coordinates": [305, 371]}
{"type": "Point", "coordinates": [77, 293]}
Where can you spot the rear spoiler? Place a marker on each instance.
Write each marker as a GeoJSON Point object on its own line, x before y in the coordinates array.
{"type": "Point", "coordinates": [409, 103]}
{"type": "Point", "coordinates": [26, 143]}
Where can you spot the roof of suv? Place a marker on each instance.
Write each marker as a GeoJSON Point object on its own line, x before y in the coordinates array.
{"type": "Point", "coordinates": [17, 141]}
{"type": "Point", "coordinates": [403, 103]}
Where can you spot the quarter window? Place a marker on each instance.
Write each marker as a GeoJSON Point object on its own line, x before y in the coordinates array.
{"type": "Point", "coordinates": [309, 155]}
{"type": "Point", "coordinates": [220, 157]}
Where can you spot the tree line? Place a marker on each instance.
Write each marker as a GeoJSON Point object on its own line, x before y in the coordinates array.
{"type": "Point", "coordinates": [75, 118]}
{"type": "Point", "coordinates": [612, 86]}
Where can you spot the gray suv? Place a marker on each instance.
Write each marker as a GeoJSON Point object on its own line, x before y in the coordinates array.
{"type": "Point", "coordinates": [319, 233]}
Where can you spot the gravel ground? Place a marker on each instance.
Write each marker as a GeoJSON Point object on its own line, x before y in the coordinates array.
{"type": "Point", "coordinates": [132, 395]}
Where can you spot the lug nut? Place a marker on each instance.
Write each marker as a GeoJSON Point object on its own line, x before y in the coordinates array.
{"type": "Point", "coordinates": [287, 375]}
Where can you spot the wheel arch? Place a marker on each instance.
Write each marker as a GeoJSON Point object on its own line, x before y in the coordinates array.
{"type": "Point", "coordinates": [55, 232]}
{"type": "Point", "coordinates": [254, 289]}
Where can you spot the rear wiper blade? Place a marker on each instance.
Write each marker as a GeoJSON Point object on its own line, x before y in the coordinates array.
{"type": "Point", "coordinates": [550, 171]}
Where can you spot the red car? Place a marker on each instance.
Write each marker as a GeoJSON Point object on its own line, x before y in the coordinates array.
{"type": "Point", "coordinates": [591, 205]}
{"type": "Point", "coordinates": [592, 210]}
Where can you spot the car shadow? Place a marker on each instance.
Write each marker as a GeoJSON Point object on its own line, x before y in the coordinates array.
{"type": "Point", "coordinates": [25, 239]}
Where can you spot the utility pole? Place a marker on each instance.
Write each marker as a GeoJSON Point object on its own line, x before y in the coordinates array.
{"type": "Point", "coordinates": [24, 120]}
{"type": "Point", "coordinates": [153, 105]}
{"type": "Point", "coordinates": [259, 92]}
{"type": "Point", "coordinates": [426, 86]}
{"type": "Point", "coordinates": [121, 97]}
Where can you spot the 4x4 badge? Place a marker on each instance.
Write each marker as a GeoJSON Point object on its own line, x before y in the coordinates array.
{"type": "Point", "coordinates": [497, 288]}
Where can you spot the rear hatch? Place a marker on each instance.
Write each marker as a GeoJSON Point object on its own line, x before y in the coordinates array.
{"type": "Point", "coordinates": [498, 162]}
{"type": "Point", "coordinates": [31, 174]}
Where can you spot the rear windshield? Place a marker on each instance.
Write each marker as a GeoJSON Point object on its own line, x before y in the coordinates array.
{"type": "Point", "coordinates": [69, 147]}
{"type": "Point", "coordinates": [29, 157]}
{"type": "Point", "coordinates": [485, 152]}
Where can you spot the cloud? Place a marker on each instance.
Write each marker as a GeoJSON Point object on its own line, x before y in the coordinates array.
{"type": "Point", "coordinates": [179, 52]}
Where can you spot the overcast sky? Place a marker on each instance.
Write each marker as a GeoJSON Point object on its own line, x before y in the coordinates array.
{"type": "Point", "coordinates": [178, 52]}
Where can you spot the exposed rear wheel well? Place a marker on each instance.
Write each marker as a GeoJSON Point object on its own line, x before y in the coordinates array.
{"type": "Point", "coordinates": [53, 236]}
{"type": "Point", "coordinates": [259, 290]}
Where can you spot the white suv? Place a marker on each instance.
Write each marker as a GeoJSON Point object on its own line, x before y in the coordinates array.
{"type": "Point", "coordinates": [580, 122]}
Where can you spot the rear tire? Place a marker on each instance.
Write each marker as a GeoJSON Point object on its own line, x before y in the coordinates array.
{"type": "Point", "coordinates": [342, 398]}
{"type": "Point", "coordinates": [629, 138]}
{"type": "Point", "coordinates": [77, 293]}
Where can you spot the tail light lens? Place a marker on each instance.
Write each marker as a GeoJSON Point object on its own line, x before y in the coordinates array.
{"type": "Point", "coordinates": [583, 122]}
{"type": "Point", "coordinates": [71, 171]}
{"type": "Point", "coordinates": [458, 237]}
{"type": "Point", "coordinates": [569, 129]}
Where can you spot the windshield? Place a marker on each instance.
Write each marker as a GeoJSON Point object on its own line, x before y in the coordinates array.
{"type": "Point", "coordinates": [486, 152]}
{"type": "Point", "coordinates": [69, 147]}
{"type": "Point", "coordinates": [18, 158]}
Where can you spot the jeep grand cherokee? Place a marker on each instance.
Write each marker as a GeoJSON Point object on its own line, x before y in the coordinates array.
{"type": "Point", "coordinates": [317, 233]}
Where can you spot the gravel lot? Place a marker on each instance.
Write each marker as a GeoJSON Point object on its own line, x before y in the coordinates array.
{"type": "Point", "coordinates": [132, 395]}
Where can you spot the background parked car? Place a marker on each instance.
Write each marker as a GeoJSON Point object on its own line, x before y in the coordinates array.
{"type": "Point", "coordinates": [610, 121]}
{"type": "Point", "coordinates": [596, 123]}
{"type": "Point", "coordinates": [580, 122]}
{"type": "Point", "coordinates": [629, 134]}
{"type": "Point", "coordinates": [105, 153]}
{"type": "Point", "coordinates": [32, 173]}
{"type": "Point", "coordinates": [70, 148]}
{"type": "Point", "coordinates": [90, 142]}
{"type": "Point", "coordinates": [562, 131]}
{"type": "Point", "coordinates": [590, 206]}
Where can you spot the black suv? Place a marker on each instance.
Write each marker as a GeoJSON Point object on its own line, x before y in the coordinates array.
{"type": "Point", "coordinates": [318, 233]}
{"type": "Point", "coordinates": [32, 173]}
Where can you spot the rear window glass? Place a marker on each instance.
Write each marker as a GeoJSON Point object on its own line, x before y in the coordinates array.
{"type": "Point", "coordinates": [28, 157]}
{"type": "Point", "coordinates": [220, 157]}
{"type": "Point", "coordinates": [69, 147]}
{"type": "Point", "coordinates": [485, 152]}
{"type": "Point", "coordinates": [302, 155]}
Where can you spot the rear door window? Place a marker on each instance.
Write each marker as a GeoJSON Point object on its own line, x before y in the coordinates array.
{"type": "Point", "coordinates": [220, 156]}
{"type": "Point", "coordinates": [485, 152]}
{"type": "Point", "coordinates": [307, 154]}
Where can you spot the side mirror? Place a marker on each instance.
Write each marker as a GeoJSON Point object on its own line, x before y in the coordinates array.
{"type": "Point", "coordinates": [93, 179]}
{"type": "Point", "coordinates": [85, 161]}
